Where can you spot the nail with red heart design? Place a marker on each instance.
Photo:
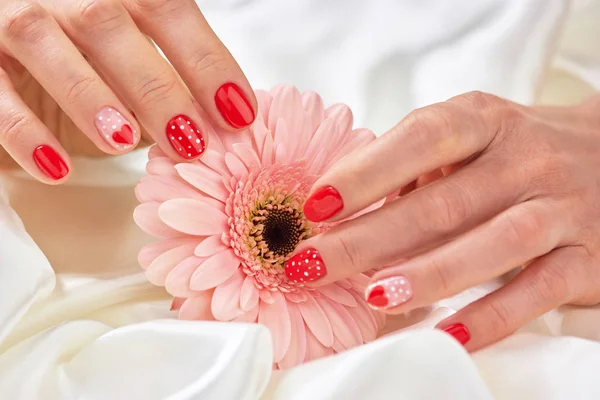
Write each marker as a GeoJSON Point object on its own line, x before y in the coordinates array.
{"type": "Point", "coordinates": [388, 292]}
{"type": "Point", "coordinates": [115, 129]}
{"type": "Point", "coordinates": [185, 137]}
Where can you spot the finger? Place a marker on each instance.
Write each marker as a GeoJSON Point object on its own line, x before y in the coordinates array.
{"type": "Point", "coordinates": [426, 140]}
{"type": "Point", "coordinates": [27, 140]}
{"type": "Point", "coordinates": [547, 283]}
{"type": "Point", "coordinates": [514, 237]}
{"type": "Point", "coordinates": [34, 38]}
{"type": "Point", "coordinates": [133, 67]}
{"type": "Point", "coordinates": [413, 223]}
{"type": "Point", "coordinates": [206, 66]}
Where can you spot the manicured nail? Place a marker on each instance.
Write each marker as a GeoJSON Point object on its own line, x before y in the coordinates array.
{"type": "Point", "coordinates": [185, 137]}
{"type": "Point", "coordinates": [306, 266]}
{"type": "Point", "coordinates": [233, 106]}
{"type": "Point", "coordinates": [50, 162]}
{"type": "Point", "coordinates": [389, 292]}
{"type": "Point", "coordinates": [115, 129]}
{"type": "Point", "coordinates": [459, 332]}
{"type": "Point", "coordinates": [323, 204]}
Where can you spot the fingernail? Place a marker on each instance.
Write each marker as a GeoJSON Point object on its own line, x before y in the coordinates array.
{"type": "Point", "coordinates": [459, 332]}
{"type": "Point", "coordinates": [389, 292]}
{"type": "Point", "coordinates": [115, 129]}
{"type": "Point", "coordinates": [185, 137]}
{"type": "Point", "coordinates": [306, 266]}
{"type": "Point", "coordinates": [233, 106]}
{"type": "Point", "coordinates": [323, 204]}
{"type": "Point", "coordinates": [50, 162]}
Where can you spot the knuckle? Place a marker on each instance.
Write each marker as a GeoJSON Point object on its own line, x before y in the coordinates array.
{"type": "Point", "coordinates": [208, 61]}
{"type": "Point", "coordinates": [26, 23]}
{"type": "Point", "coordinates": [443, 280]}
{"type": "Point", "coordinates": [550, 284]}
{"type": "Point", "coordinates": [97, 14]}
{"type": "Point", "coordinates": [13, 126]}
{"type": "Point", "coordinates": [500, 320]}
{"type": "Point", "coordinates": [444, 213]}
{"type": "Point", "coordinates": [434, 128]}
{"type": "Point", "coordinates": [153, 8]}
{"type": "Point", "coordinates": [78, 87]}
{"type": "Point", "coordinates": [479, 100]}
{"type": "Point", "coordinates": [349, 251]}
{"type": "Point", "coordinates": [523, 228]}
{"type": "Point", "coordinates": [156, 89]}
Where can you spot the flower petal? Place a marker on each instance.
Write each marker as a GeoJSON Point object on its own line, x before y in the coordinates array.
{"type": "Point", "coordinates": [178, 280]}
{"type": "Point", "coordinates": [320, 140]}
{"type": "Point", "coordinates": [342, 116]}
{"type": "Point", "coordinates": [286, 106]}
{"type": "Point", "coordinates": [344, 327]}
{"type": "Point", "coordinates": [247, 155]}
{"type": "Point", "coordinates": [197, 308]}
{"type": "Point", "coordinates": [193, 217]}
{"type": "Point", "coordinates": [216, 162]}
{"type": "Point", "coordinates": [149, 252]}
{"type": "Point", "coordinates": [297, 350]}
{"type": "Point", "coordinates": [314, 348]}
{"type": "Point", "coordinates": [337, 294]}
{"type": "Point", "coordinates": [267, 154]}
{"type": "Point", "coordinates": [225, 304]}
{"type": "Point", "coordinates": [209, 246]}
{"type": "Point", "coordinates": [281, 155]}
{"type": "Point", "coordinates": [155, 152]}
{"type": "Point", "coordinates": [249, 294]}
{"type": "Point", "coordinates": [235, 166]}
{"type": "Point", "coordinates": [316, 320]}
{"type": "Point", "coordinates": [263, 98]}
{"type": "Point", "coordinates": [276, 317]}
{"type": "Point", "coordinates": [205, 179]}
{"type": "Point", "coordinates": [163, 188]}
{"type": "Point", "coordinates": [296, 297]}
{"type": "Point", "coordinates": [215, 270]}
{"type": "Point", "coordinates": [249, 316]}
{"type": "Point", "coordinates": [161, 166]}
{"type": "Point", "coordinates": [265, 295]}
{"type": "Point", "coordinates": [158, 269]}
{"type": "Point", "coordinates": [177, 303]}
{"type": "Point", "coordinates": [365, 319]}
{"type": "Point", "coordinates": [313, 105]}
{"type": "Point", "coordinates": [146, 217]}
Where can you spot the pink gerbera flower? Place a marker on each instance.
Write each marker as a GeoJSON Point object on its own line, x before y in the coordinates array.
{"type": "Point", "coordinates": [228, 223]}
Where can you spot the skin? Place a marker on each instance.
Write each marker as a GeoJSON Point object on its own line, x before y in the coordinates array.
{"type": "Point", "coordinates": [61, 61]}
{"type": "Point", "coordinates": [511, 186]}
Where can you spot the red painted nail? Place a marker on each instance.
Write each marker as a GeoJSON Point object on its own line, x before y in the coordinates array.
{"type": "Point", "coordinates": [185, 137]}
{"type": "Point", "coordinates": [323, 204]}
{"type": "Point", "coordinates": [50, 162]}
{"type": "Point", "coordinates": [459, 332]}
{"type": "Point", "coordinates": [233, 106]}
{"type": "Point", "coordinates": [306, 266]}
{"type": "Point", "coordinates": [377, 297]}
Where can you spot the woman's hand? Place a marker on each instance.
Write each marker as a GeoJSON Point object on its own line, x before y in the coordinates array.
{"type": "Point", "coordinates": [518, 186]}
{"type": "Point", "coordinates": [51, 94]}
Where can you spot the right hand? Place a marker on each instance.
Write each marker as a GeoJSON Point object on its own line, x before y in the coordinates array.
{"type": "Point", "coordinates": [50, 93]}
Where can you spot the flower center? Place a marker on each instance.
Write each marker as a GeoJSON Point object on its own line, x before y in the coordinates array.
{"type": "Point", "coordinates": [278, 228]}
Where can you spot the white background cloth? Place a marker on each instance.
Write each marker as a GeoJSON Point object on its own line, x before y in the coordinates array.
{"type": "Point", "coordinates": [81, 322]}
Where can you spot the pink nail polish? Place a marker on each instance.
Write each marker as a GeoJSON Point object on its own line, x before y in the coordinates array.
{"type": "Point", "coordinates": [389, 292]}
{"type": "Point", "coordinates": [115, 129]}
{"type": "Point", "coordinates": [306, 266]}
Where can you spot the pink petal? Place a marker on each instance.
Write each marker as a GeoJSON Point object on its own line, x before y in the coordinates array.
{"type": "Point", "coordinates": [161, 167]}
{"type": "Point", "coordinates": [296, 297]}
{"type": "Point", "coordinates": [317, 166]}
{"type": "Point", "coordinates": [344, 283]}
{"type": "Point", "coordinates": [209, 246]}
{"type": "Point", "coordinates": [264, 99]}
{"type": "Point", "coordinates": [315, 349]}
{"type": "Point", "coordinates": [236, 166]}
{"type": "Point", "coordinates": [276, 317]}
{"type": "Point", "coordinates": [286, 106]}
{"type": "Point", "coordinates": [265, 295]}
{"type": "Point", "coordinates": [260, 134]}
{"type": "Point", "coordinates": [342, 116]}
{"type": "Point", "coordinates": [203, 178]}
{"type": "Point", "coordinates": [364, 318]}
{"type": "Point", "coordinates": [281, 155]}
{"type": "Point", "coordinates": [177, 303]}
{"type": "Point", "coordinates": [267, 154]}
{"type": "Point", "coordinates": [249, 316]}
{"type": "Point", "coordinates": [214, 141]}
{"type": "Point", "coordinates": [359, 282]}
{"type": "Point", "coordinates": [146, 217]}
{"type": "Point", "coordinates": [197, 308]}
{"type": "Point", "coordinates": [249, 294]}
{"type": "Point", "coordinates": [320, 140]}
{"type": "Point", "coordinates": [193, 217]}
{"type": "Point", "coordinates": [226, 298]}
{"type": "Point", "coordinates": [344, 327]}
{"type": "Point", "coordinates": [337, 346]}
{"type": "Point", "coordinates": [247, 155]}
{"type": "Point", "coordinates": [316, 320]}
{"type": "Point", "coordinates": [297, 350]}
{"type": "Point", "coordinates": [178, 280]}
{"type": "Point", "coordinates": [281, 135]}
{"type": "Point", "coordinates": [216, 162]}
{"type": "Point", "coordinates": [158, 269]}
{"type": "Point", "coordinates": [215, 270]}
{"type": "Point", "coordinates": [163, 188]}
{"type": "Point", "coordinates": [155, 152]}
{"type": "Point", "coordinates": [337, 294]}
{"type": "Point", "coordinates": [149, 252]}
{"type": "Point", "coordinates": [313, 104]}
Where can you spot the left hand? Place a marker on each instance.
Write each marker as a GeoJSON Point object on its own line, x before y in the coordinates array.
{"type": "Point", "coordinates": [518, 186]}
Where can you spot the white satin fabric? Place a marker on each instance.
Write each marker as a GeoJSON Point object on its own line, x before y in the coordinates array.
{"type": "Point", "coordinates": [79, 321]}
